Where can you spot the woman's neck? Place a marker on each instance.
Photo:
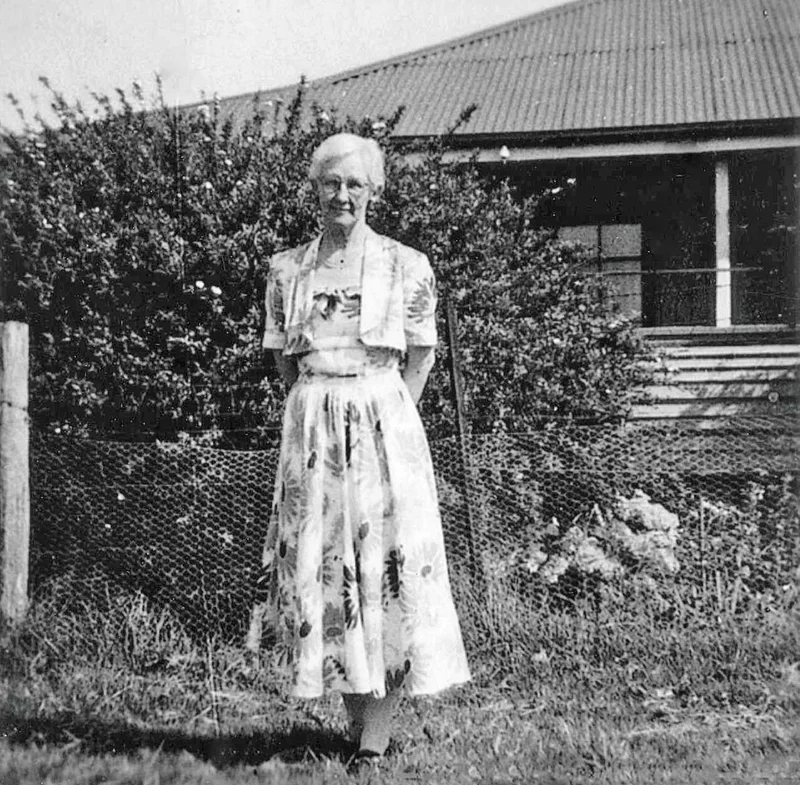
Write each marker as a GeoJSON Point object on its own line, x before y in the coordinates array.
{"type": "Point", "coordinates": [337, 238]}
{"type": "Point", "coordinates": [341, 251]}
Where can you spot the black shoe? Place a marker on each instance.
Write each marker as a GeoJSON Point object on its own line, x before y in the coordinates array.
{"type": "Point", "coordinates": [364, 759]}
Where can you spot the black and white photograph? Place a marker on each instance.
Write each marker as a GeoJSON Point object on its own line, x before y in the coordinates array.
{"type": "Point", "coordinates": [400, 392]}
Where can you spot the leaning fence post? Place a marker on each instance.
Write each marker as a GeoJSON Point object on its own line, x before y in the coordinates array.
{"type": "Point", "coordinates": [463, 435]}
{"type": "Point", "coordinates": [14, 482]}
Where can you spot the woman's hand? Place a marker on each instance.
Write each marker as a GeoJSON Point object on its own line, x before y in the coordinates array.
{"type": "Point", "coordinates": [419, 362]}
{"type": "Point", "coordinates": [287, 367]}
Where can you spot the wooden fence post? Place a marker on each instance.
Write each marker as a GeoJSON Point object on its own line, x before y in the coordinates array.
{"type": "Point", "coordinates": [14, 481]}
{"type": "Point", "coordinates": [457, 382]}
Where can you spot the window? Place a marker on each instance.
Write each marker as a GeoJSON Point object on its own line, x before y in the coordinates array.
{"type": "Point", "coordinates": [617, 252]}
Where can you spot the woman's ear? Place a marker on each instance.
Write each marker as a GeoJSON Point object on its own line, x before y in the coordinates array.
{"type": "Point", "coordinates": [375, 193]}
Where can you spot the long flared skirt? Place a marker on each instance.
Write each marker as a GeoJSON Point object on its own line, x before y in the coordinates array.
{"type": "Point", "coordinates": [355, 581]}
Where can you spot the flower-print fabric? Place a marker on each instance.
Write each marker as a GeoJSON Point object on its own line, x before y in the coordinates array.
{"type": "Point", "coordinates": [354, 580]}
{"type": "Point", "coordinates": [397, 306]}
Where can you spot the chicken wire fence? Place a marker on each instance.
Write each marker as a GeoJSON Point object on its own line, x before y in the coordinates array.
{"type": "Point", "coordinates": [709, 513]}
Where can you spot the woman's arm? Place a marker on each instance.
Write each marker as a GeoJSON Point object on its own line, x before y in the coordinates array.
{"type": "Point", "coordinates": [287, 367]}
{"type": "Point", "coordinates": [419, 362]}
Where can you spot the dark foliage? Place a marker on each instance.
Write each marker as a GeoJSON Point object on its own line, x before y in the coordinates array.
{"type": "Point", "coordinates": [135, 243]}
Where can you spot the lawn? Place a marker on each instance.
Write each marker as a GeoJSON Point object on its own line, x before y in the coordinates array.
{"type": "Point", "coordinates": [121, 694]}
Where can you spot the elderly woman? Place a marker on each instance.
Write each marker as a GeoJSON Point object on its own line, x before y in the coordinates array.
{"type": "Point", "coordinates": [355, 574]}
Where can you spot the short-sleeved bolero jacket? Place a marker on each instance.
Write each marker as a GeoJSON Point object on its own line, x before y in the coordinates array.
{"type": "Point", "coordinates": [398, 297]}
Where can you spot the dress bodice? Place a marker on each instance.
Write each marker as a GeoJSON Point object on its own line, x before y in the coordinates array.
{"type": "Point", "coordinates": [395, 284]}
{"type": "Point", "coordinates": [338, 349]}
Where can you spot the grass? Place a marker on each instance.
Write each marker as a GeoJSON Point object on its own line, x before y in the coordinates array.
{"type": "Point", "coordinates": [584, 694]}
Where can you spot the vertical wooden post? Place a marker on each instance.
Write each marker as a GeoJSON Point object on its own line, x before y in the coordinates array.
{"type": "Point", "coordinates": [457, 382]}
{"type": "Point", "coordinates": [722, 201]}
{"type": "Point", "coordinates": [14, 483]}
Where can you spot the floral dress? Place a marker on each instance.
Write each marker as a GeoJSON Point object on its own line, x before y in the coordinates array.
{"type": "Point", "coordinates": [354, 580]}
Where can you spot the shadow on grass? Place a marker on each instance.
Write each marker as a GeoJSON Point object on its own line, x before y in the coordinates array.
{"type": "Point", "coordinates": [93, 736]}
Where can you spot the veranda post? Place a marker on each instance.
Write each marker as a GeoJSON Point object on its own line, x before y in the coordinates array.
{"type": "Point", "coordinates": [14, 483]}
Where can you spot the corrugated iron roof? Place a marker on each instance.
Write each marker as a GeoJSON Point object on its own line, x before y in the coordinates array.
{"type": "Point", "coordinates": [590, 65]}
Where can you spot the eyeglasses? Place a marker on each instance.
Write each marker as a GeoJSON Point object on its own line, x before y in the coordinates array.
{"type": "Point", "coordinates": [354, 187]}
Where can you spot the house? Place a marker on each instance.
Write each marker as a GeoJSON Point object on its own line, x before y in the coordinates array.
{"type": "Point", "coordinates": [673, 127]}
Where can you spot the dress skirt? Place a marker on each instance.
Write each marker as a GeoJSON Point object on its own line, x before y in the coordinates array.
{"type": "Point", "coordinates": [355, 581]}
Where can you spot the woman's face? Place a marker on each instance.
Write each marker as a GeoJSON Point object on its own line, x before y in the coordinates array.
{"type": "Point", "coordinates": [344, 192]}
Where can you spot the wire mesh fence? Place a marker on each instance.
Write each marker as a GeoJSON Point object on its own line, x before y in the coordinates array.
{"type": "Point", "coordinates": [702, 515]}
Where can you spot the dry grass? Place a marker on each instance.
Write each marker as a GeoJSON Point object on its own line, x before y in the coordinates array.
{"type": "Point", "coordinates": [121, 694]}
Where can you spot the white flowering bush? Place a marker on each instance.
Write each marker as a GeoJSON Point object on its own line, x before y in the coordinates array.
{"type": "Point", "coordinates": [636, 535]}
{"type": "Point", "coordinates": [719, 549]}
{"type": "Point", "coordinates": [135, 245]}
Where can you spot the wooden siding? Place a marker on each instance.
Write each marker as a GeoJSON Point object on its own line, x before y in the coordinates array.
{"type": "Point", "coordinates": [723, 381]}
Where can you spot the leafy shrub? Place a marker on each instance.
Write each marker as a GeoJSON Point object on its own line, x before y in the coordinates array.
{"type": "Point", "coordinates": [135, 243]}
{"type": "Point", "coordinates": [726, 551]}
{"type": "Point", "coordinates": [540, 339]}
{"type": "Point", "coordinates": [745, 545]}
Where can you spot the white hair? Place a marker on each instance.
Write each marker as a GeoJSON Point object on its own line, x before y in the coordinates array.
{"type": "Point", "coordinates": [340, 145]}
